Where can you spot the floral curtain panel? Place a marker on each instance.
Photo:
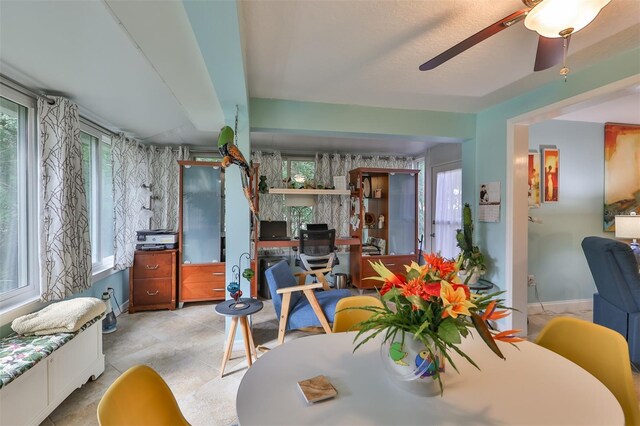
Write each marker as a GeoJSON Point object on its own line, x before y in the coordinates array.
{"type": "Point", "coordinates": [271, 205]}
{"type": "Point", "coordinates": [145, 192]}
{"type": "Point", "coordinates": [65, 248]}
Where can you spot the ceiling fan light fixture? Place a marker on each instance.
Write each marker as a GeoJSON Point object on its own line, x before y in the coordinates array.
{"type": "Point", "coordinates": [559, 18]}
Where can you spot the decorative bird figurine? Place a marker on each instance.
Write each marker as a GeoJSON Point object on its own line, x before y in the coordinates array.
{"type": "Point", "coordinates": [397, 354]}
{"type": "Point", "coordinates": [426, 367]}
{"type": "Point", "coordinates": [232, 155]}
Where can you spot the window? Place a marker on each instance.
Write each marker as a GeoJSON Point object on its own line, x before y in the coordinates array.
{"type": "Point", "coordinates": [18, 198]}
{"type": "Point", "coordinates": [300, 170]}
{"type": "Point", "coordinates": [97, 172]}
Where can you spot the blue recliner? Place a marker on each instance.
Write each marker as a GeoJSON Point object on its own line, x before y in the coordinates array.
{"type": "Point", "coordinates": [616, 305]}
{"type": "Point", "coordinates": [298, 305]}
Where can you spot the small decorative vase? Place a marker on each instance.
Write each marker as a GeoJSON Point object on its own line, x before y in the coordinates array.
{"type": "Point", "coordinates": [412, 366]}
{"type": "Point", "coordinates": [475, 276]}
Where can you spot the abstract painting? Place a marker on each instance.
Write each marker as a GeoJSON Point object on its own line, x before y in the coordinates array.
{"type": "Point", "coordinates": [621, 171]}
{"type": "Point", "coordinates": [534, 179]}
{"type": "Point", "coordinates": [551, 169]}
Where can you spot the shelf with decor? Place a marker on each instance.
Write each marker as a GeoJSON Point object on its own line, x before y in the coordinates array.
{"type": "Point", "coordinates": [384, 211]}
{"type": "Point", "coordinates": [292, 191]}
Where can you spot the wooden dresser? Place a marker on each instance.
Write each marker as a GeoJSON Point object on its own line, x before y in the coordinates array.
{"type": "Point", "coordinates": [152, 280]}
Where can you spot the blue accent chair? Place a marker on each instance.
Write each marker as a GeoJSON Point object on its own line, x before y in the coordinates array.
{"type": "Point", "coordinates": [616, 305]}
{"type": "Point", "coordinates": [297, 304]}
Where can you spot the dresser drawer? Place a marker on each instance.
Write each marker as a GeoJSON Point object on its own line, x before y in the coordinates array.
{"type": "Point", "coordinates": [154, 291]}
{"type": "Point", "coordinates": [153, 265]}
{"type": "Point", "coordinates": [202, 282]}
{"type": "Point", "coordinates": [395, 264]}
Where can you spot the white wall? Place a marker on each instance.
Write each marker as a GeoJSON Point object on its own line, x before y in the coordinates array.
{"type": "Point", "coordinates": [555, 254]}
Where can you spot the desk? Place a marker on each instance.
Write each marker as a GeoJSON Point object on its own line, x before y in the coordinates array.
{"type": "Point", "coordinates": [533, 386]}
{"type": "Point", "coordinates": [348, 241]}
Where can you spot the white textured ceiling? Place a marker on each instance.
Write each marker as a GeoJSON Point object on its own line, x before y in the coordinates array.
{"type": "Point", "coordinates": [136, 67]}
{"type": "Point", "coordinates": [368, 52]}
{"type": "Point", "coordinates": [625, 109]}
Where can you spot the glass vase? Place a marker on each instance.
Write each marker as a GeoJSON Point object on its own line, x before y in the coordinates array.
{"type": "Point", "coordinates": [413, 366]}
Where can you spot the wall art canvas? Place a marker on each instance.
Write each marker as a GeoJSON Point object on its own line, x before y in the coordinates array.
{"type": "Point", "coordinates": [551, 170]}
{"type": "Point", "coordinates": [621, 171]}
{"type": "Point", "coordinates": [534, 179]}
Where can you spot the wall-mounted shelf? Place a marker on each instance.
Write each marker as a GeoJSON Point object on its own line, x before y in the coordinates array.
{"type": "Point", "coordinates": [289, 191]}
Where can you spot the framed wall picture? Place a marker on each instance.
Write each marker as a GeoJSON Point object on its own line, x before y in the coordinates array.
{"type": "Point", "coordinates": [621, 171]}
{"type": "Point", "coordinates": [551, 173]}
{"type": "Point", "coordinates": [534, 179]}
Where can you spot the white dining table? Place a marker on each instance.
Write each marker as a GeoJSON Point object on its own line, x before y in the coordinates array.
{"type": "Point", "coordinates": [532, 386]}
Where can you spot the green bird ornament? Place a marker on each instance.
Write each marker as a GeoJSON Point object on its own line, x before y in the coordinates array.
{"type": "Point", "coordinates": [232, 155]}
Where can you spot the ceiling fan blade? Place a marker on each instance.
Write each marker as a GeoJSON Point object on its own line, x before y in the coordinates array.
{"type": "Point", "coordinates": [474, 39]}
{"type": "Point", "coordinates": [550, 52]}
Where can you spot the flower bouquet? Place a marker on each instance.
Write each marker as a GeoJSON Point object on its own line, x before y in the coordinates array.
{"type": "Point", "coordinates": [431, 307]}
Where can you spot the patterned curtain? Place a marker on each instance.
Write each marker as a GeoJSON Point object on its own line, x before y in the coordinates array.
{"type": "Point", "coordinates": [145, 192]}
{"type": "Point", "coordinates": [130, 198]}
{"type": "Point", "coordinates": [165, 181]}
{"type": "Point", "coordinates": [65, 248]}
{"type": "Point", "coordinates": [271, 205]}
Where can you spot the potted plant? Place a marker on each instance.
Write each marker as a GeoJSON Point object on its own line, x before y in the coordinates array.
{"type": "Point", "coordinates": [425, 315]}
{"type": "Point", "coordinates": [471, 259]}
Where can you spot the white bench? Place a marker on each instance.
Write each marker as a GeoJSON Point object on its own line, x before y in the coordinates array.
{"type": "Point", "coordinates": [29, 394]}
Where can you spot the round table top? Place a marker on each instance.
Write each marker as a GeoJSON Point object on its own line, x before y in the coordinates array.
{"type": "Point", "coordinates": [244, 307]}
{"type": "Point", "coordinates": [533, 386]}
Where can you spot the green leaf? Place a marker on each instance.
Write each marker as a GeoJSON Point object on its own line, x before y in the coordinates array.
{"type": "Point", "coordinates": [448, 332]}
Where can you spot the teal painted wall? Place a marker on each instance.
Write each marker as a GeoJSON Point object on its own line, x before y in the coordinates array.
{"type": "Point", "coordinates": [334, 119]}
{"type": "Point", "coordinates": [486, 161]}
{"type": "Point", "coordinates": [555, 254]}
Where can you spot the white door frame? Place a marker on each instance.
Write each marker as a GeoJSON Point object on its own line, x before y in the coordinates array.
{"type": "Point", "coordinates": [517, 210]}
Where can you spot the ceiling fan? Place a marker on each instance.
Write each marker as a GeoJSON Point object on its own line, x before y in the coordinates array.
{"type": "Point", "coordinates": [554, 20]}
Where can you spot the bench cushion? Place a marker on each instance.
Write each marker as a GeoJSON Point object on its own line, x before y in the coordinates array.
{"type": "Point", "coordinates": [19, 353]}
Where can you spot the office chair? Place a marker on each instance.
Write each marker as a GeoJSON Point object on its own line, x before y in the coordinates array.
{"type": "Point", "coordinates": [297, 305]}
{"type": "Point", "coordinates": [317, 253]}
{"type": "Point", "coordinates": [139, 397]}
{"type": "Point", "coordinates": [599, 350]}
{"type": "Point", "coordinates": [348, 316]}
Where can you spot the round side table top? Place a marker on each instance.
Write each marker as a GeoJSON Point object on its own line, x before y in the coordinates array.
{"type": "Point", "coordinates": [244, 307]}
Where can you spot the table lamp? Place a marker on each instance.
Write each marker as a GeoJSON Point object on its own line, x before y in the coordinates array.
{"type": "Point", "coordinates": [628, 226]}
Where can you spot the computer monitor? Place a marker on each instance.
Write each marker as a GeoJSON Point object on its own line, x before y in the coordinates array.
{"type": "Point", "coordinates": [317, 227]}
{"type": "Point", "coordinates": [273, 230]}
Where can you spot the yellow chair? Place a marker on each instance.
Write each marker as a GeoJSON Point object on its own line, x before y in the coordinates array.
{"type": "Point", "coordinates": [139, 397]}
{"type": "Point", "coordinates": [599, 350]}
{"type": "Point", "coordinates": [345, 320]}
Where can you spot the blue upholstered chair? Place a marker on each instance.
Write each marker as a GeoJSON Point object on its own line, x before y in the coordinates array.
{"type": "Point", "coordinates": [616, 305]}
{"type": "Point", "coordinates": [298, 305]}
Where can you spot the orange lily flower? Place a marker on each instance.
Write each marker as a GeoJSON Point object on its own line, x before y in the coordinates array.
{"type": "Point", "coordinates": [508, 336]}
{"type": "Point", "coordinates": [454, 300]}
{"type": "Point", "coordinates": [492, 314]}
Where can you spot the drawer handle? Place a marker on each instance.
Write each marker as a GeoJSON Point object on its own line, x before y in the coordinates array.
{"type": "Point", "coordinates": [390, 264]}
{"type": "Point", "coordinates": [152, 267]}
{"type": "Point", "coordinates": [153, 294]}
{"type": "Point", "coordinates": [217, 273]}
{"type": "Point", "coordinates": [218, 290]}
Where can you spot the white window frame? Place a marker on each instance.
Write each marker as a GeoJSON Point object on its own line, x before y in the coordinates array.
{"type": "Point", "coordinates": [28, 243]}
{"type": "Point", "coordinates": [102, 266]}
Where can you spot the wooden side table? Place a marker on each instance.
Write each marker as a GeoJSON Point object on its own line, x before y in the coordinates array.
{"type": "Point", "coordinates": [244, 308]}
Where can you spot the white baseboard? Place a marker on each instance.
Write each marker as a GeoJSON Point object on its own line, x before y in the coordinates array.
{"type": "Point", "coordinates": [560, 306]}
{"type": "Point", "coordinates": [124, 307]}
